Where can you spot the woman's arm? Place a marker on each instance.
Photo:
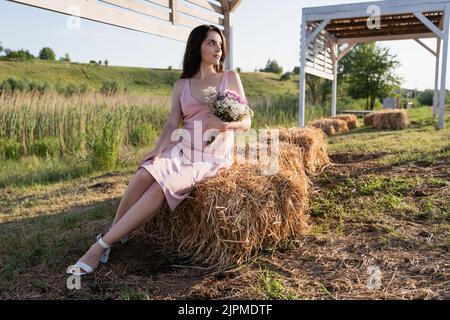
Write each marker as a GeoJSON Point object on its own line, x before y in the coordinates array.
{"type": "Point", "coordinates": [245, 124]}
{"type": "Point", "coordinates": [236, 85]}
{"type": "Point", "coordinates": [173, 122]}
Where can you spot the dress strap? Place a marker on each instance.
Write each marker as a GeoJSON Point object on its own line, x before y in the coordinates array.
{"type": "Point", "coordinates": [224, 84]}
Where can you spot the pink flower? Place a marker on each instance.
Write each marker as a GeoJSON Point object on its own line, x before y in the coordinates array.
{"type": "Point", "coordinates": [233, 95]}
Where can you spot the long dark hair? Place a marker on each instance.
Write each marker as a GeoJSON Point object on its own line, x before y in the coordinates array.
{"type": "Point", "coordinates": [193, 57]}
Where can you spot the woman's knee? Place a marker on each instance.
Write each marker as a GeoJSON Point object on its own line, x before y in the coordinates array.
{"type": "Point", "coordinates": [155, 192]}
{"type": "Point", "coordinates": [143, 176]}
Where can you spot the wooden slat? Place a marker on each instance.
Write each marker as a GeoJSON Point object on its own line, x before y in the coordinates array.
{"type": "Point", "coordinates": [234, 4]}
{"type": "Point", "coordinates": [383, 24]}
{"type": "Point", "coordinates": [201, 14]}
{"type": "Point", "coordinates": [174, 18]}
{"type": "Point", "coordinates": [411, 27]}
{"type": "Point", "coordinates": [226, 20]}
{"type": "Point", "coordinates": [173, 4]}
{"type": "Point", "coordinates": [310, 51]}
{"type": "Point", "coordinates": [396, 30]}
{"type": "Point", "coordinates": [383, 18]}
{"type": "Point", "coordinates": [207, 5]}
{"type": "Point", "coordinates": [372, 33]}
{"type": "Point", "coordinates": [164, 3]}
{"type": "Point", "coordinates": [319, 67]}
{"type": "Point", "coordinates": [320, 63]}
{"type": "Point", "coordinates": [366, 39]}
{"type": "Point", "coordinates": [140, 8]}
{"type": "Point", "coordinates": [318, 55]}
{"type": "Point", "coordinates": [319, 73]}
{"type": "Point", "coordinates": [191, 23]}
{"type": "Point", "coordinates": [95, 11]}
{"type": "Point", "coordinates": [319, 47]}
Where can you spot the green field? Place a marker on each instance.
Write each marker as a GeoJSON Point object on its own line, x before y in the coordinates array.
{"type": "Point", "coordinates": [136, 80]}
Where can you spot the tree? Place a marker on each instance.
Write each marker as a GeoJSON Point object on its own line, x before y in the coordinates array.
{"type": "Point", "coordinates": [66, 58]}
{"type": "Point", "coordinates": [99, 62]}
{"type": "Point", "coordinates": [47, 53]}
{"type": "Point", "coordinates": [106, 62]}
{"type": "Point", "coordinates": [319, 90]}
{"type": "Point", "coordinates": [296, 71]}
{"type": "Point", "coordinates": [426, 97]}
{"type": "Point", "coordinates": [369, 71]}
{"type": "Point", "coordinates": [1, 48]}
{"type": "Point", "coordinates": [272, 66]}
{"type": "Point", "coordinates": [19, 55]}
{"type": "Point", "coordinates": [286, 76]}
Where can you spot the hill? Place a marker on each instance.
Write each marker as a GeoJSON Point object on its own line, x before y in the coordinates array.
{"type": "Point", "coordinates": [135, 79]}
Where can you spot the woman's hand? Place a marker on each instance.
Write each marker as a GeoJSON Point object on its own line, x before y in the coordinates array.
{"type": "Point", "coordinates": [154, 154]}
{"type": "Point", "coordinates": [213, 122]}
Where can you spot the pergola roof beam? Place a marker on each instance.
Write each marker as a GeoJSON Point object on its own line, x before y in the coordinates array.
{"type": "Point", "coordinates": [317, 30]}
{"type": "Point", "coordinates": [429, 24]}
{"type": "Point", "coordinates": [425, 46]}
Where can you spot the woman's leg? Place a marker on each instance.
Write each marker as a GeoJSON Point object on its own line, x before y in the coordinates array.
{"type": "Point", "coordinates": [141, 211]}
{"type": "Point", "coordinates": [140, 182]}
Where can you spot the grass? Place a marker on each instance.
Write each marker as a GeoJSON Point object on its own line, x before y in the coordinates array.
{"type": "Point", "coordinates": [272, 287]}
{"type": "Point", "coordinates": [139, 81]}
{"type": "Point", "coordinates": [384, 202]}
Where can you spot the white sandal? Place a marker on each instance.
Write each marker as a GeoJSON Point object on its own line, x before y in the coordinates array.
{"type": "Point", "coordinates": [81, 268]}
{"type": "Point", "coordinates": [105, 256]}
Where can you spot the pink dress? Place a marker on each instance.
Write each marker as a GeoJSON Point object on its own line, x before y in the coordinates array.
{"type": "Point", "coordinates": [190, 158]}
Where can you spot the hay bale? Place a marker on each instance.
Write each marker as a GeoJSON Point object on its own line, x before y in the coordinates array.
{"type": "Point", "coordinates": [391, 119]}
{"type": "Point", "coordinates": [230, 217]}
{"type": "Point", "coordinates": [325, 125]}
{"type": "Point", "coordinates": [350, 119]}
{"type": "Point", "coordinates": [313, 143]}
{"type": "Point", "coordinates": [368, 119]}
{"type": "Point", "coordinates": [340, 125]}
{"type": "Point", "coordinates": [330, 126]}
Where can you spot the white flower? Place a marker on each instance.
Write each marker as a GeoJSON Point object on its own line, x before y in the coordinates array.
{"type": "Point", "coordinates": [210, 94]}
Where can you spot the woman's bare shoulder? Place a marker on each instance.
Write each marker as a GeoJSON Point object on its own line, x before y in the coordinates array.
{"type": "Point", "coordinates": [234, 77]}
{"type": "Point", "coordinates": [235, 82]}
{"type": "Point", "coordinates": [178, 86]}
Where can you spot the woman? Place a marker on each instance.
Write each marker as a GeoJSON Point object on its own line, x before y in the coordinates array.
{"type": "Point", "coordinates": [171, 170]}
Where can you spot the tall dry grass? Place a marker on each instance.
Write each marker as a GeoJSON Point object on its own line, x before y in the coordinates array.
{"type": "Point", "coordinates": [29, 118]}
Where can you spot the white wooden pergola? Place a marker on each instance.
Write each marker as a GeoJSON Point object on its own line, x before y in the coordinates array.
{"type": "Point", "coordinates": [172, 19]}
{"type": "Point", "coordinates": [328, 33]}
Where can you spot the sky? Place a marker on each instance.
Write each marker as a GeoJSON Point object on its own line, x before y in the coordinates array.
{"type": "Point", "coordinates": [262, 30]}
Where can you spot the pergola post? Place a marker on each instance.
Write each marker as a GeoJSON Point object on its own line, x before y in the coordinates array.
{"type": "Point", "coordinates": [305, 40]}
{"type": "Point", "coordinates": [334, 58]}
{"type": "Point", "coordinates": [444, 66]}
{"type": "Point", "coordinates": [436, 78]}
{"type": "Point", "coordinates": [302, 100]}
{"type": "Point", "coordinates": [227, 31]}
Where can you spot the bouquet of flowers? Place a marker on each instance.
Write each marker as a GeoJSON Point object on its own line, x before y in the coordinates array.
{"type": "Point", "coordinates": [227, 106]}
